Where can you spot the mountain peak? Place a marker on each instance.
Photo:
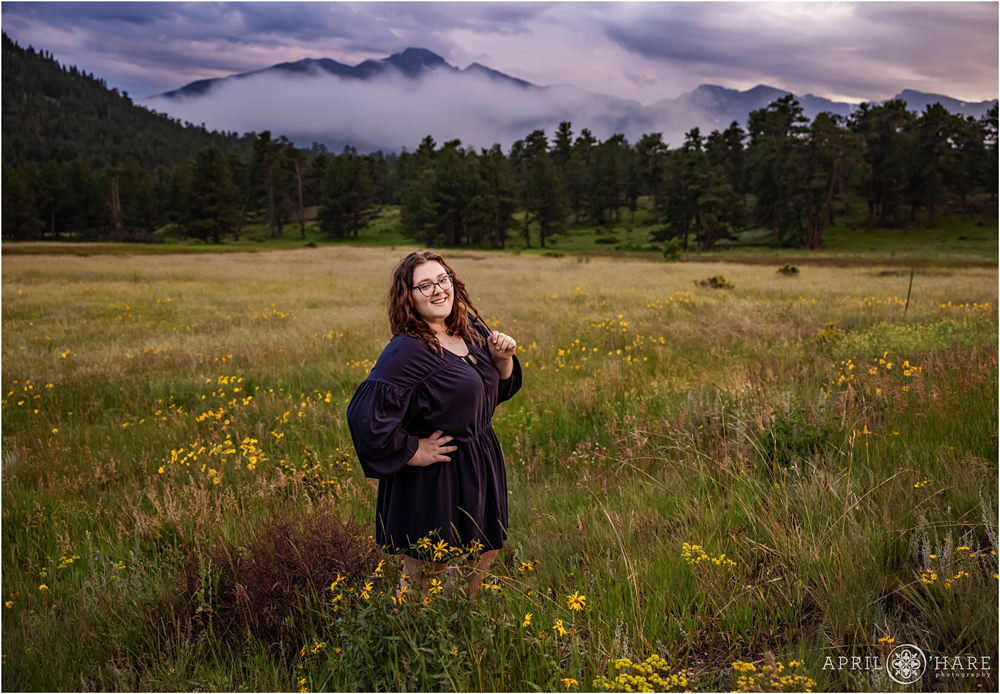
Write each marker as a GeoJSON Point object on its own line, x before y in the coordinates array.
{"type": "Point", "coordinates": [479, 68]}
{"type": "Point", "coordinates": [413, 61]}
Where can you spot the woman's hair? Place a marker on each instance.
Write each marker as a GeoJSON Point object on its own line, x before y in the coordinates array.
{"type": "Point", "coordinates": [403, 317]}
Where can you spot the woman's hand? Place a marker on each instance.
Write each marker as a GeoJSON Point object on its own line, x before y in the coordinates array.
{"type": "Point", "coordinates": [502, 348]}
{"type": "Point", "coordinates": [432, 450]}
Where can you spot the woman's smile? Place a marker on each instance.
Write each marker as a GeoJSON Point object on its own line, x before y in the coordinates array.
{"type": "Point", "coordinates": [433, 302]}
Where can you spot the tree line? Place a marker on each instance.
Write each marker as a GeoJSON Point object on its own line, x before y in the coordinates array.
{"type": "Point", "coordinates": [781, 172]}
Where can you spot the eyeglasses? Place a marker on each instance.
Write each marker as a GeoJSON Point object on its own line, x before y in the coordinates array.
{"type": "Point", "coordinates": [427, 288]}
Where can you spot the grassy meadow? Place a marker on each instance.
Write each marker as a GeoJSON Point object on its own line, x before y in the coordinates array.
{"type": "Point", "coordinates": [710, 488]}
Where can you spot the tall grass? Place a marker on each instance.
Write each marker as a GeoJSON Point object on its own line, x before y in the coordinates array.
{"type": "Point", "coordinates": [764, 476]}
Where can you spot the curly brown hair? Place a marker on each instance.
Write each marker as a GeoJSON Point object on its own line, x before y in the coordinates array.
{"type": "Point", "coordinates": [403, 317]}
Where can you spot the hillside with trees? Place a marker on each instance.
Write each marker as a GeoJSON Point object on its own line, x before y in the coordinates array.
{"type": "Point", "coordinates": [83, 162]}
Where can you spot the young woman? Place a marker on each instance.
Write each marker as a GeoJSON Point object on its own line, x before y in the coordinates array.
{"type": "Point", "coordinates": [421, 420]}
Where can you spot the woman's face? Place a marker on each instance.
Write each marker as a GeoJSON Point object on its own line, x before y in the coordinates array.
{"type": "Point", "coordinates": [436, 305]}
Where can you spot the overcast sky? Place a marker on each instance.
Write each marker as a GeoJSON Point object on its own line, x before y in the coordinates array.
{"type": "Point", "coordinates": [644, 51]}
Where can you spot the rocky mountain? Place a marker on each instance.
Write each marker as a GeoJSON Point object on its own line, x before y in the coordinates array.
{"type": "Point", "coordinates": [411, 63]}
{"type": "Point", "coordinates": [393, 103]}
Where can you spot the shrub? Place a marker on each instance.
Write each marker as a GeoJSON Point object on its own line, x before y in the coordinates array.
{"type": "Point", "coordinates": [715, 282]}
{"type": "Point", "coordinates": [673, 249]}
{"type": "Point", "coordinates": [829, 334]}
{"type": "Point", "coordinates": [788, 270]}
{"type": "Point", "coordinates": [288, 565]}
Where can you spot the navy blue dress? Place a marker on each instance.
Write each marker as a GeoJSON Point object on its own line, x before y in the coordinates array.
{"type": "Point", "coordinates": [409, 394]}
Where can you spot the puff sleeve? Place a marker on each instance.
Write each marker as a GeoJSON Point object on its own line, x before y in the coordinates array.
{"type": "Point", "coordinates": [375, 418]}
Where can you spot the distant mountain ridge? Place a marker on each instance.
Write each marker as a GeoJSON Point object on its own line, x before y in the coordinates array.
{"type": "Point", "coordinates": [519, 107]}
{"type": "Point", "coordinates": [411, 63]}
{"type": "Point", "coordinates": [415, 62]}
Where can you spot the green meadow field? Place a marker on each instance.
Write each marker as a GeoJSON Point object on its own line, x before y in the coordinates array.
{"type": "Point", "coordinates": [712, 488]}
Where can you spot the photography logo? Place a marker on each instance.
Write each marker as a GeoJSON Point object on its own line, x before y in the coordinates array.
{"type": "Point", "coordinates": [906, 663]}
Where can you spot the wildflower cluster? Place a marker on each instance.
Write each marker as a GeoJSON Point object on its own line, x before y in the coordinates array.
{"type": "Point", "coordinates": [677, 298]}
{"type": "Point", "coordinates": [613, 337]}
{"type": "Point", "coordinates": [363, 365]}
{"type": "Point", "coordinates": [773, 676]}
{"type": "Point", "coordinates": [846, 373]}
{"type": "Point", "coordinates": [653, 674]}
{"type": "Point", "coordinates": [868, 302]}
{"type": "Point", "coordinates": [695, 555]}
{"type": "Point", "coordinates": [954, 568]}
{"type": "Point", "coordinates": [973, 306]}
{"type": "Point", "coordinates": [120, 311]}
{"type": "Point", "coordinates": [66, 560]}
{"type": "Point", "coordinates": [24, 394]}
{"type": "Point", "coordinates": [882, 374]}
{"type": "Point", "coordinates": [232, 407]}
{"type": "Point", "coordinates": [271, 313]}
{"type": "Point", "coordinates": [214, 457]}
{"type": "Point", "coordinates": [440, 551]}
{"type": "Point", "coordinates": [147, 352]}
{"type": "Point", "coordinates": [310, 654]}
{"type": "Point", "coordinates": [873, 301]}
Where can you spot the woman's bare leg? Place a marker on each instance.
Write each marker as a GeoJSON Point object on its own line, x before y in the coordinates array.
{"type": "Point", "coordinates": [476, 579]}
{"type": "Point", "coordinates": [418, 572]}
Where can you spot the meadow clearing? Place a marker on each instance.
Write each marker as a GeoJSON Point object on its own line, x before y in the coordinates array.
{"type": "Point", "coordinates": [710, 488]}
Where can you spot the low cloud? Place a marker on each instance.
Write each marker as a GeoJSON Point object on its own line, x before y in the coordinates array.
{"type": "Point", "coordinates": [392, 112]}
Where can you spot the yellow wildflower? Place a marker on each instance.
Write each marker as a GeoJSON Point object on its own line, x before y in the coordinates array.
{"type": "Point", "coordinates": [524, 624]}
{"type": "Point", "coordinates": [440, 550]}
{"type": "Point", "coordinates": [576, 601]}
{"type": "Point", "coordinates": [436, 587]}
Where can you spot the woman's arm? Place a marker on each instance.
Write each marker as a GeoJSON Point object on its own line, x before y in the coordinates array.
{"type": "Point", "coordinates": [502, 348]}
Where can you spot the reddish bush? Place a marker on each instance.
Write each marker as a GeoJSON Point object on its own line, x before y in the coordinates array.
{"type": "Point", "coordinates": [264, 588]}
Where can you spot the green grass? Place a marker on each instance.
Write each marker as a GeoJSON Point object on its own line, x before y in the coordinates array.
{"type": "Point", "coordinates": [967, 240]}
{"type": "Point", "coordinates": [832, 449]}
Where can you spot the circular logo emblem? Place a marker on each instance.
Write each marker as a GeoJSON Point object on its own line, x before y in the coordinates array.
{"type": "Point", "coordinates": [906, 663]}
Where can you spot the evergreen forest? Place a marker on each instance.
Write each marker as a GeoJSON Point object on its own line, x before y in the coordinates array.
{"type": "Point", "coordinates": [83, 162]}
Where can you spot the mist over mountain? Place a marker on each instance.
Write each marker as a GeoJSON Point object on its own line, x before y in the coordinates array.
{"type": "Point", "coordinates": [391, 104]}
